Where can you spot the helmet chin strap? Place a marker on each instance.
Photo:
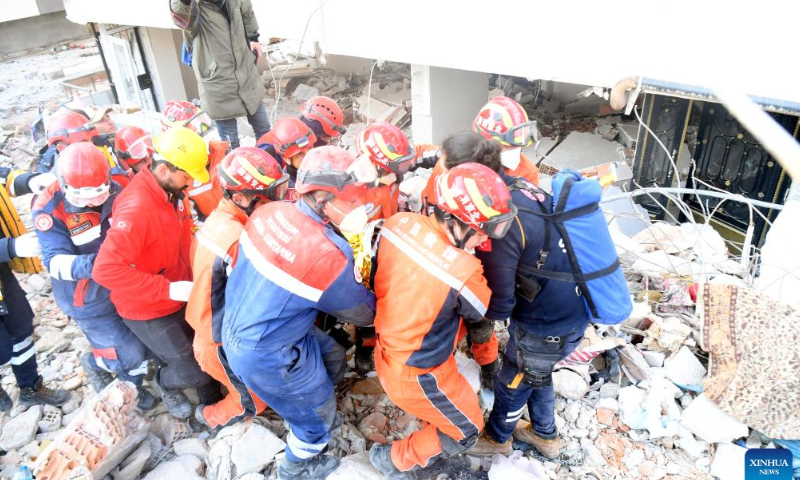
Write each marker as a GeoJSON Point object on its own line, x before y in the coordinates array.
{"type": "Point", "coordinates": [451, 223]}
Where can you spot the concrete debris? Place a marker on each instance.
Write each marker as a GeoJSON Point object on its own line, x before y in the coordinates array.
{"type": "Point", "coordinates": [372, 425]}
{"type": "Point", "coordinates": [169, 429]}
{"type": "Point", "coordinates": [255, 449]}
{"type": "Point", "coordinates": [569, 384]}
{"type": "Point", "coordinates": [191, 446]}
{"type": "Point", "coordinates": [684, 368]}
{"type": "Point", "coordinates": [185, 467]}
{"type": "Point", "coordinates": [51, 419]}
{"type": "Point", "coordinates": [665, 335]}
{"type": "Point", "coordinates": [729, 462]}
{"type": "Point", "coordinates": [470, 369]}
{"type": "Point", "coordinates": [628, 133]}
{"type": "Point", "coordinates": [99, 438]}
{"type": "Point", "coordinates": [583, 150]}
{"type": "Point", "coordinates": [516, 467]}
{"type": "Point", "coordinates": [304, 92]}
{"type": "Point", "coordinates": [633, 364]}
{"type": "Point", "coordinates": [706, 420]}
{"type": "Point", "coordinates": [132, 467]}
{"type": "Point", "coordinates": [20, 430]}
{"type": "Point", "coordinates": [356, 467]}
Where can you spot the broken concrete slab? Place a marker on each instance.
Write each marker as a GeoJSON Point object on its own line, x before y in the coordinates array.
{"type": "Point", "coordinates": [582, 150]}
{"type": "Point", "coordinates": [569, 384]}
{"type": "Point", "coordinates": [356, 467]}
{"type": "Point", "coordinates": [729, 462]}
{"type": "Point", "coordinates": [305, 92]}
{"type": "Point", "coordinates": [628, 133]}
{"type": "Point", "coordinates": [684, 369]}
{"type": "Point", "coordinates": [539, 150]}
{"type": "Point", "coordinates": [706, 420]}
{"type": "Point", "coordinates": [191, 446]}
{"type": "Point", "coordinates": [21, 430]}
{"type": "Point", "coordinates": [256, 448]}
{"type": "Point", "coordinates": [185, 467]}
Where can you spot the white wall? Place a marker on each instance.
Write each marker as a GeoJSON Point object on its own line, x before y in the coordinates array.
{"type": "Point", "coordinates": [684, 41]}
{"type": "Point", "coordinates": [16, 9]}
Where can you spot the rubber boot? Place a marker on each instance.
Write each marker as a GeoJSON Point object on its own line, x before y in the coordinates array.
{"type": "Point", "coordinates": [145, 400]}
{"type": "Point", "coordinates": [316, 468]}
{"type": "Point", "coordinates": [98, 377]}
{"type": "Point", "coordinates": [177, 403]}
{"type": "Point", "coordinates": [5, 401]}
{"type": "Point", "coordinates": [38, 394]}
{"type": "Point", "coordinates": [380, 456]}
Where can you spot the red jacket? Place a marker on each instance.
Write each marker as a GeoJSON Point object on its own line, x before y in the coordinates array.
{"type": "Point", "coordinates": [146, 248]}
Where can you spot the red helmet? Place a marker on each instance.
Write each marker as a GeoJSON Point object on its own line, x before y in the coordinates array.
{"type": "Point", "coordinates": [505, 121]}
{"type": "Point", "coordinates": [133, 145]}
{"type": "Point", "coordinates": [477, 196]}
{"type": "Point", "coordinates": [254, 171]}
{"type": "Point", "coordinates": [387, 147]}
{"type": "Point", "coordinates": [185, 114]}
{"type": "Point", "coordinates": [83, 173]}
{"type": "Point", "coordinates": [327, 112]}
{"type": "Point", "coordinates": [70, 127]}
{"type": "Point", "coordinates": [334, 170]}
{"type": "Point", "coordinates": [289, 136]}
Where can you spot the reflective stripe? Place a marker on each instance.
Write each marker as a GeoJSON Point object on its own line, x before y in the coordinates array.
{"type": "Point", "coordinates": [201, 189]}
{"type": "Point", "coordinates": [512, 417]}
{"type": "Point", "coordinates": [435, 270]}
{"type": "Point", "coordinates": [101, 363]}
{"type": "Point", "coordinates": [441, 402]}
{"type": "Point", "coordinates": [61, 267]}
{"type": "Point", "coordinates": [141, 370]}
{"type": "Point", "coordinates": [24, 357]}
{"type": "Point", "coordinates": [303, 450]}
{"type": "Point", "coordinates": [275, 274]}
{"type": "Point", "coordinates": [212, 247]}
{"type": "Point", "coordinates": [18, 347]}
{"type": "Point", "coordinates": [87, 237]}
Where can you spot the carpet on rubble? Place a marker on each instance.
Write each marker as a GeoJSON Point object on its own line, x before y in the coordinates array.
{"type": "Point", "coordinates": [754, 366]}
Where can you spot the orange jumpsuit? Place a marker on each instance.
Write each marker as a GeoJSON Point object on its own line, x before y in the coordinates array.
{"type": "Point", "coordinates": [214, 252]}
{"type": "Point", "coordinates": [424, 285]}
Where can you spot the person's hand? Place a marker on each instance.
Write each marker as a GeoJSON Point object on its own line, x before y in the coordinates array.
{"type": "Point", "coordinates": [27, 246]}
{"type": "Point", "coordinates": [40, 182]}
{"type": "Point", "coordinates": [179, 291]}
{"type": "Point", "coordinates": [255, 47]}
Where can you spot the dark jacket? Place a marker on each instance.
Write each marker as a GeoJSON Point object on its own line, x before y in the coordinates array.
{"type": "Point", "coordinates": [558, 309]}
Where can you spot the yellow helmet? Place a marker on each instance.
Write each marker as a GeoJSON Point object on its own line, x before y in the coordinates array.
{"type": "Point", "coordinates": [185, 149]}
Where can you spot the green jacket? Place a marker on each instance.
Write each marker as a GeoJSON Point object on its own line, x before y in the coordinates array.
{"type": "Point", "coordinates": [227, 77]}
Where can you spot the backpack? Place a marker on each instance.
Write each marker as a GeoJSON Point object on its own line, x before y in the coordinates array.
{"type": "Point", "coordinates": [591, 252]}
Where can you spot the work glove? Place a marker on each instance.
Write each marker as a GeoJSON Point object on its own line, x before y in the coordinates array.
{"type": "Point", "coordinates": [38, 183]}
{"type": "Point", "coordinates": [179, 291]}
{"type": "Point", "coordinates": [26, 246]}
{"type": "Point", "coordinates": [488, 372]}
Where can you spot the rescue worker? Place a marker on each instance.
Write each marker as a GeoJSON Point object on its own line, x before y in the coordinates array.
{"type": "Point", "coordinates": [504, 121]}
{"type": "Point", "coordinates": [72, 217]}
{"type": "Point", "coordinates": [221, 36]}
{"type": "Point", "coordinates": [64, 128]}
{"type": "Point", "coordinates": [249, 178]}
{"type": "Point", "coordinates": [288, 142]}
{"type": "Point", "coordinates": [205, 196]}
{"type": "Point", "coordinates": [427, 282]}
{"type": "Point", "coordinates": [145, 263]}
{"type": "Point", "coordinates": [292, 264]}
{"type": "Point", "coordinates": [19, 253]}
{"type": "Point", "coordinates": [185, 114]}
{"type": "Point", "coordinates": [545, 327]}
{"type": "Point", "coordinates": [133, 148]}
{"type": "Point", "coordinates": [324, 117]}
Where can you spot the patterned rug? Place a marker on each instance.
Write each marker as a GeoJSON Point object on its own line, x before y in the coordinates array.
{"type": "Point", "coordinates": [754, 367]}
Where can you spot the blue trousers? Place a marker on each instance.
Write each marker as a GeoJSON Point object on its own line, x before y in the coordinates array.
{"type": "Point", "coordinates": [296, 382]}
{"type": "Point", "coordinates": [229, 132]}
{"type": "Point", "coordinates": [509, 403]}
{"type": "Point", "coordinates": [115, 348]}
{"type": "Point", "coordinates": [16, 331]}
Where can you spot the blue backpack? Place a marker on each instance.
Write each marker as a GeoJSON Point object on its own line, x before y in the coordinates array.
{"type": "Point", "coordinates": [582, 226]}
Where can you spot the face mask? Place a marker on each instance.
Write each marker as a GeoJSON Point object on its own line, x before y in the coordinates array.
{"type": "Point", "coordinates": [354, 222]}
{"type": "Point", "coordinates": [511, 158]}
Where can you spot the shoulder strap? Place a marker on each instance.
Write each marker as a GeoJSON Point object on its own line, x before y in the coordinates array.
{"type": "Point", "coordinates": [521, 184]}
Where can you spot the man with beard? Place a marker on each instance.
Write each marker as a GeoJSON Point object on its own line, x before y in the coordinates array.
{"type": "Point", "coordinates": [145, 263]}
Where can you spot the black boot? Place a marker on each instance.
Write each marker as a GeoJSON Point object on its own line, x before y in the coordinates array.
{"type": "Point", "coordinates": [209, 394]}
{"type": "Point", "coordinates": [177, 403]}
{"type": "Point", "coordinates": [5, 401]}
{"type": "Point", "coordinates": [38, 394]}
{"type": "Point", "coordinates": [98, 377]}
{"type": "Point", "coordinates": [316, 468]}
{"type": "Point", "coordinates": [145, 400]}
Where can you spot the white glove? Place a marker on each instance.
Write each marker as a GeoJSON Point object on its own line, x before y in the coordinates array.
{"type": "Point", "coordinates": [179, 291]}
{"type": "Point", "coordinates": [27, 246]}
{"type": "Point", "coordinates": [39, 183]}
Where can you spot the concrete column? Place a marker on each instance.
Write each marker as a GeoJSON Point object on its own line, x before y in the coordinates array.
{"type": "Point", "coordinates": [172, 80]}
{"type": "Point", "coordinates": [445, 101]}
